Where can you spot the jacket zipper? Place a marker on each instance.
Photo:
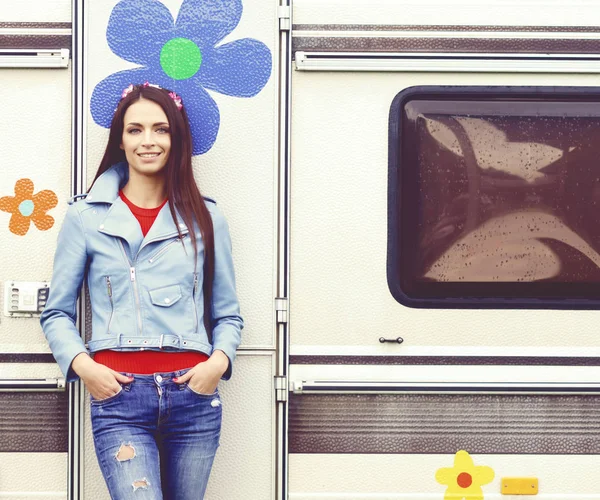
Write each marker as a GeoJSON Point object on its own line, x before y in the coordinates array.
{"type": "Point", "coordinates": [194, 302]}
{"type": "Point", "coordinates": [112, 307]}
{"type": "Point", "coordinates": [164, 249]}
{"type": "Point", "coordinates": [135, 288]}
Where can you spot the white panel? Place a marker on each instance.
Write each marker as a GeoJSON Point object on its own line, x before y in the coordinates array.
{"type": "Point", "coordinates": [239, 169]}
{"type": "Point", "coordinates": [43, 11]}
{"type": "Point", "coordinates": [246, 437]}
{"type": "Point", "coordinates": [339, 291]}
{"type": "Point", "coordinates": [247, 433]}
{"type": "Point", "coordinates": [36, 144]}
{"type": "Point", "coordinates": [453, 12]}
{"type": "Point", "coordinates": [29, 370]}
{"type": "Point", "coordinates": [413, 476]}
{"type": "Point", "coordinates": [33, 475]}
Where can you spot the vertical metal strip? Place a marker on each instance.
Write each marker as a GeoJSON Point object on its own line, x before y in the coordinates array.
{"type": "Point", "coordinates": [75, 489]}
{"type": "Point", "coordinates": [283, 247]}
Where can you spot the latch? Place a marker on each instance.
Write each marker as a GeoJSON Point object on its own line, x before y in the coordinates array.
{"type": "Point", "coordinates": [281, 310]}
{"type": "Point", "coordinates": [281, 388]}
{"type": "Point", "coordinates": [25, 298]}
{"type": "Point", "coordinates": [284, 13]}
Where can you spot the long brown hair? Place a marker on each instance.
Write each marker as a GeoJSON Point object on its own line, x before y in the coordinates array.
{"type": "Point", "coordinates": [182, 190]}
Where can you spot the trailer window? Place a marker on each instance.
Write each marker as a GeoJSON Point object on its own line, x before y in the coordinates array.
{"type": "Point", "coordinates": [494, 197]}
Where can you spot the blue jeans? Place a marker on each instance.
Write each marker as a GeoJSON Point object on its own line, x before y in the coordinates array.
{"type": "Point", "coordinates": [156, 439]}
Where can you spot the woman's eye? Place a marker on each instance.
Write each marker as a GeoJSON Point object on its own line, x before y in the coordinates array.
{"type": "Point", "coordinates": [163, 130]}
{"type": "Point", "coordinates": [133, 130]}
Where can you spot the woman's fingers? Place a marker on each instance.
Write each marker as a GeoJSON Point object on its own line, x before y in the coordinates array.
{"type": "Point", "coordinates": [121, 378]}
{"type": "Point", "coordinates": [185, 377]}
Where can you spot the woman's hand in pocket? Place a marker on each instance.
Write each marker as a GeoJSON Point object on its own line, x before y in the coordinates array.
{"type": "Point", "coordinates": [100, 381]}
{"type": "Point", "coordinates": [204, 377]}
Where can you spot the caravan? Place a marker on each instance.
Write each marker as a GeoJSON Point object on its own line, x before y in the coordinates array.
{"type": "Point", "coordinates": [411, 189]}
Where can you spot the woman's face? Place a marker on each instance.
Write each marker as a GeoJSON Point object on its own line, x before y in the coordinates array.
{"type": "Point", "coordinates": [146, 137]}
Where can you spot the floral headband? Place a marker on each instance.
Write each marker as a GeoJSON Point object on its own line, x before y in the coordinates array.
{"type": "Point", "coordinates": [172, 95]}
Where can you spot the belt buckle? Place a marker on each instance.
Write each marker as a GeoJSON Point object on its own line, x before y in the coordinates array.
{"type": "Point", "coordinates": [160, 344]}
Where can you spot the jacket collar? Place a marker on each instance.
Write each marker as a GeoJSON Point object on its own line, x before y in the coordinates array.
{"type": "Point", "coordinates": [119, 220]}
{"type": "Point", "coordinates": [106, 188]}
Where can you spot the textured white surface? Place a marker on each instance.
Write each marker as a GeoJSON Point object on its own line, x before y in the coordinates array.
{"type": "Point", "coordinates": [442, 12]}
{"type": "Point", "coordinates": [238, 172]}
{"type": "Point", "coordinates": [559, 476]}
{"type": "Point", "coordinates": [41, 11]}
{"type": "Point", "coordinates": [247, 433]}
{"type": "Point", "coordinates": [339, 291]}
{"type": "Point", "coordinates": [36, 144]}
{"type": "Point", "coordinates": [29, 370]}
{"type": "Point", "coordinates": [246, 437]}
{"type": "Point", "coordinates": [33, 475]}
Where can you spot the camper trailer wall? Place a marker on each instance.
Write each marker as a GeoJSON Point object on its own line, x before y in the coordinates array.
{"type": "Point", "coordinates": [36, 171]}
{"type": "Point", "coordinates": [385, 396]}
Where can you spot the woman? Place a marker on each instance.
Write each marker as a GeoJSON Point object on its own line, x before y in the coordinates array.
{"type": "Point", "coordinates": [165, 315]}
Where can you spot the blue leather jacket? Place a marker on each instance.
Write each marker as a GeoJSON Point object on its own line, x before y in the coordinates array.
{"type": "Point", "coordinates": [144, 291]}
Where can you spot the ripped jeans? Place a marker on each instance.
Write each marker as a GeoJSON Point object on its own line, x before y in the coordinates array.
{"type": "Point", "coordinates": [155, 439]}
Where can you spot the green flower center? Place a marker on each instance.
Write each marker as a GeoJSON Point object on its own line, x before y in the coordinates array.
{"type": "Point", "coordinates": [180, 58]}
{"type": "Point", "coordinates": [26, 208]}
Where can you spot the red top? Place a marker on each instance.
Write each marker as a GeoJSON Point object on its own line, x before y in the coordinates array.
{"type": "Point", "coordinates": [142, 361]}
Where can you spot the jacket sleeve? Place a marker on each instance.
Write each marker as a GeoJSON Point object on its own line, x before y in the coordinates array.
{"type": "Point", "coordinates": [226, 319]}
{"type": "Point", "coordinates": [60, 314]}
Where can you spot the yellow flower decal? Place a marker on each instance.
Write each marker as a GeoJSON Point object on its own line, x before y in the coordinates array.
{"type": "Point", "coordinates": [464, 480]}
{"type": "Point", "coordinates": [26, 207]}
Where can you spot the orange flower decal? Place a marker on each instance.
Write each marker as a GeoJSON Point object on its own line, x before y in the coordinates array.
{"type": "Point", "coordinates": [464, 480]}
{"type": "Point", "coordinates": [26, 207]}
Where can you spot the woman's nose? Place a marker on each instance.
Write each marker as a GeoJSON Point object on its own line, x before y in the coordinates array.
{"type": "Point", "coordinates": [148, 140]}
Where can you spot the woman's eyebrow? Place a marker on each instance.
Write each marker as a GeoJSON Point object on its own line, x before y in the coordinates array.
{"type": "Point", "coordinates": [140, 125]}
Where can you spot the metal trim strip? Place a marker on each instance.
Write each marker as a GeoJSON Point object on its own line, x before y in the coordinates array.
{"type": "Point", "coordinates": [430, 44]}
{"type": "Point", "coordinates": [444, 360]}
{"type": "Point", "coordinates": [449, 27]}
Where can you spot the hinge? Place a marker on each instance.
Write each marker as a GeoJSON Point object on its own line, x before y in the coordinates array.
{"type": "Point", "coordinates": [281, 388]}
{"type": "Point", "coordinates": [281, 310]}
{"type": "Point", "coordinates": [284, 14]}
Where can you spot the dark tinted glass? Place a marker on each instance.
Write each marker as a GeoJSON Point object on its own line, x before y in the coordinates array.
{"type": "Point", "coordinates": [496, 196]}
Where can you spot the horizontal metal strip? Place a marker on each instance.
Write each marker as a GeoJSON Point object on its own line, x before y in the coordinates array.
{"type": "Point", "coordinates": [34, 25]}
{"type": "Point", "coordinates": [443, 360]}
{"type": "Point", "coordinates": [509, 35]}
{"type": "Point", "coordinates": [475, 45]}
{"type": "Point", "coordinates": [43, 425]}
{"type": "Point", "coordinates": [363, 424]}
{"type": "Point", "coordinates": [444, 378]}
{"type": "Point", "coordinates": [47, 384]}
{"type": "Point", "coordinates": [35, 41]}
{"type": "Point", "coordinates": [447, 62]}
{"type": "Point", "coordinates": [15, 357]}
{"type": "Point", "coordinates": [434, 28]}
{"type": "Point", "coordinates": [312, 387]}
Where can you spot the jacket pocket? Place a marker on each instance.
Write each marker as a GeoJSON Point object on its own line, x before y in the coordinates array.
{"type": "Point", "coordinates": [165, 296]}
{"type": "Point", "coordinates": [110, 299]}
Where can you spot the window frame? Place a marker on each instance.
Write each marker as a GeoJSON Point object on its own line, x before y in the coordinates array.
{"type": "Point", "coordinates": [395, 197]}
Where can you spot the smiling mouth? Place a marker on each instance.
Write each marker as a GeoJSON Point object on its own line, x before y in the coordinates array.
{"type": "Point", "coordinates": [148, 155]}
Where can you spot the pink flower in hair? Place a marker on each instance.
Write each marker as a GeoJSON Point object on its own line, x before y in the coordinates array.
{"type": "Point", "coordinates": [127, 91]}
{"type": "Point", "coordinates": [176, 100]}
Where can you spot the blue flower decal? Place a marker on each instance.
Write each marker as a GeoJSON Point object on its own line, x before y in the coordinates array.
{"type": "Point", "coordinates": [183, 56]}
